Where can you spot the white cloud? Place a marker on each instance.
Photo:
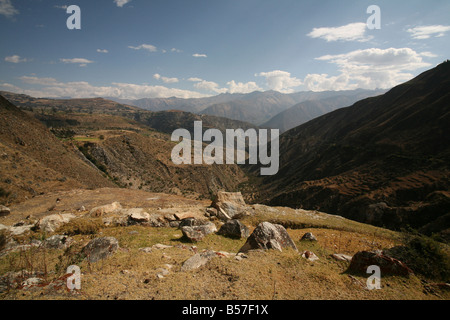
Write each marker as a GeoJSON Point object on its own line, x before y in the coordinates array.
{"type": "Point", "coordinates": [121, 3]}
{"type": "Point", "coordinates": [81, 61]}
{"type": "Point", "coordinates": [102, 51]}
{"type": "Point", "coordinates": [209, 86]}
{"type": "Point", "coordinates": [175, 50]}
{"type": "Point", "coordinates": [280, 81]}
{"type": "Point", "coordinates": [350, 32]}
{"type": "Point", "coordinates": [144, 46]}
{"type": "Point", "coordinates": [64, 7]}
{"type": "Point", "coordinates": [369, 69]}
{"type": "Point", "coordinates": [52, 88]}
{"type": "Point", "coordinates": [426, 32]}
{"type": "Point", "coordinates": [199, 55]}
{"type": "Point", "coordinates": [195, 79]}
{"type": "Point", "coordinates": [165, 79]}
{"type": "Point", "coordinates": [7, 9]}
{"type": "Point", "coordinates": [240, 87]}
{"type": "Point", "coordinates": [15, 59]}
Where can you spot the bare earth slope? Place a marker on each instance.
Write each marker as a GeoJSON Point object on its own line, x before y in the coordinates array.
{"type": "Point", "coordinates": [34, 161]}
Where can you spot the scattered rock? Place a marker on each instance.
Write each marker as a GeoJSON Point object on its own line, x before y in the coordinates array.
{"type": "Point", "coordinates": [100, 248]}
{"type": "Point", "coordinates": [388, 266]}
{"type": "Point", "coordinates": [309, 255]}
{"type": "Point", "coordinates": [17, 231]}
{"type": "Point", "coordinates": [52, 222]}
{"type": "Point", "coordinates": [136, 215]}
{"type": "Point", "coordinates": [105, 209]}
{"type": "Point", "coordinates": [160, 246]}
{"type": "Point", "coordinates": [146, 249]}
{"type": "Point", "coordinates": [234, 229]}
{"type": "Point", "coordinates": [268, 236]}
{"type": "Point", "coordinates": [198, 260]}
{"type": "Point", "coordinates": [32, 282]}
{"type": "Point", "coordinates": [230, 205]}
{"type": "Point", "coordinates": [4, 211]}
{"type": "Point", "coordinates": [341, 257]}
{"type": "Point", "coordinates": [308, 237]}
{"type": "Point", "coordinates": [197, 233]}
{"type": "Point", "coordinates": [57, 242]}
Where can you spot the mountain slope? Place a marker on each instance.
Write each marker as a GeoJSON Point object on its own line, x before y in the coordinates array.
{"type": "Point", "coordinates": [34, 161]}
{"type": "Point", "coordinates": [384, 160]}
{"type": "Point", "coordinates": [308, 110]}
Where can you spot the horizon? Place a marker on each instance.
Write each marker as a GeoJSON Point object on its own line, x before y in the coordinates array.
{"type": "Point", "coordinates": [131, 49]}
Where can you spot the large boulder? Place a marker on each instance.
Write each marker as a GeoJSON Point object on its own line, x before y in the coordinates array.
{"type": "Point", "coordinates": [234, 229]}
{"type": "Point", "coordinates": [268, 236]}
{"type": "Point", "coordinates": [100, 248]}
{"type": "Point", "coordinates": [388, 265]}
{"type": "Point", "coordinates": [52, 222]}
{"type": "Point", "coordinates": [4, 211]}
{"type": "Point", "coordinates": [197, 233]}
{"type": "Point", "coordinates": [105, 209]}
{"type": "Point", "coordinates": [230, 205]}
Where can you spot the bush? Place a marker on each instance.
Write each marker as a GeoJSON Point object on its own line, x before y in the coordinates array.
{"type": "Point", "coordinates": [424, 256]}
{"type": "Point", "coordinates": [84, 226]}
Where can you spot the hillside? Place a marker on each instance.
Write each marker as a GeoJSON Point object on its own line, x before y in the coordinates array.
{"type": "Point", "coordinates": [384, 160]}
{"type": "Point", "coordinates": [308, 110]}
{"type": "Point", "coordinates": [34, 161]}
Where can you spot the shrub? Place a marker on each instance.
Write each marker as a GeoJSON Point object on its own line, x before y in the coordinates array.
{"type": "Point", "coordinates": [83, 226]}
{"type": "Point", "coordinates": [424, 256]}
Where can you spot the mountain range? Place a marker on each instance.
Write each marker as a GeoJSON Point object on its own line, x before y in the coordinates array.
{"type": "Point", "coordinates": [384, 160]}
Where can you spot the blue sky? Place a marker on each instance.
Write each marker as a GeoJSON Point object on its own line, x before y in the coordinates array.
{"type": "Point", "coordinates": [195, 48]}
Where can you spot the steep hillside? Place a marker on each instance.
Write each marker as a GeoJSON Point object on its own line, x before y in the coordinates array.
{"type": "Point", "coordinates": [384, 160]}
{"type": "Point", "coordinates": [34, 161]}
{"type": "Point", "coordinates": [308, 110]}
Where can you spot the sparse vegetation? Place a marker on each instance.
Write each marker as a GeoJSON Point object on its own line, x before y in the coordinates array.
{"type": "Point", "coordinates": [81, 226]}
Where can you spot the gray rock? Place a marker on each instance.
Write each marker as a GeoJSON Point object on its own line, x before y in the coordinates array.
{"type": "Point", "coordinates": [268, 236]}
{"type": "Point", "coordinates": [100, 248]}
{"type": "Point", "coordinates": [57, 242]}
{"type": "Point", "coordinates": [4, 211]}
{"type": "Point", "coordinates": [197, 233]}
{"type": "Point", "coordinates": [309, 255]}
{"type": "Point", "coordinates": [17, 231]}
{"type": "Point", "coordinates": [52, 222]}
{"type": "Point", "coordinates": [137, 216]}
{"type": "Point", "coordinates": [198, 260]}
{"type": "Point", "coordinates": [230, 205]}
{"type": "Point", "coordinates": [308, 237]}
{"type": "Point", "coordinates": [234, 229]}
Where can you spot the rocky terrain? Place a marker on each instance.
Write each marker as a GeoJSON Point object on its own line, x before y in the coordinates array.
{"type": "Point", "coordinates": [137, 245]}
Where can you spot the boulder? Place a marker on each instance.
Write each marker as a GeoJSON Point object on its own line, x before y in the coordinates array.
{"type": "Point", "coordinates": [17, 231]}
{"type": "Point", "coordinates": [309, 255]}
{"type": "Point", "coordinates": [388, 265]}
{"type": "Point", "coordinates": [105, 209]}
{"type": "Point", "coordinates": [198, 260]}
{"type": "Point", "coordinates": [268, 236]}
{"type": "Point", "coordinates": [52, 222]}
{"type": "Point", "coordinates": [57, 242]}
{"type": "Point", "coordinates": [4, 211]}
{"type": "Point", "coordinates": [234, 229]}
{"type": "Point", "coordinates": [100, 248]}
{"type": "Point", "coordinates": [230, 205]}
{"type": "Point", "coordinates": [197, 233]}
{"type": "Point", "coordinates": [308, 237]}
{"type": "Point", "coordinates": [136, 215]}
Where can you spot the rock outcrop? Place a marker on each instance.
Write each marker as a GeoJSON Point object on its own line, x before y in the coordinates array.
{"type": "Point", "coordinates": [388, 265]}
{"type": "Point", "coordinates": [100, 248]}
{"type": "Point", "coordinates": [268, 236]}
{"type": "Point", "coordinates": [234, 229]}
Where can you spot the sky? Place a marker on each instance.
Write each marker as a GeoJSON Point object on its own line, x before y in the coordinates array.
{"type": "Point", "coordinates": [133, 49]}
